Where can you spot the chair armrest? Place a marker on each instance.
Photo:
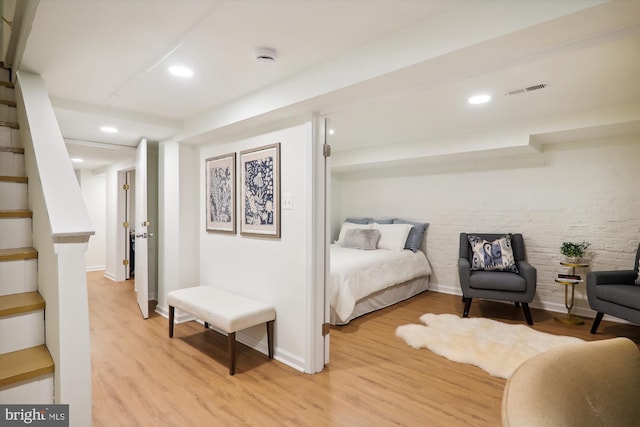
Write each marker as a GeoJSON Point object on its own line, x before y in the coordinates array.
{"type": "Point", "coordinates": [464, 272]}
{"type": "Point", "coordinates": [527, 271]}
{"type": "Point", "coordinates": [530, 276]}
{"type": "Point", "coordinates": [613, 277]}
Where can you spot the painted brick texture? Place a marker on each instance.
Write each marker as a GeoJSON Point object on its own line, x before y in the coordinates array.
{"type": "Point", "coordinates": [568, 192]}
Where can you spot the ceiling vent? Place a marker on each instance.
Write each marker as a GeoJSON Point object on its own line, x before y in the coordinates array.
{"type": "Point", "coordinates": [526, 89]}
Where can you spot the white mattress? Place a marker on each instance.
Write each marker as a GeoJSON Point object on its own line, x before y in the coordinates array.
{"type": "Point", "coordinates": [356, 274]}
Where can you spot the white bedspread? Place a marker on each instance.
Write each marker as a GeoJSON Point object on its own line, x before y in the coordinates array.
{"type": "Point", "coordinates": [356, 273]}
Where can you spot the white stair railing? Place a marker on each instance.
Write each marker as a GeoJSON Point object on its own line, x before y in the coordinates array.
{"type": "Point", "coordinates": [61, 231]}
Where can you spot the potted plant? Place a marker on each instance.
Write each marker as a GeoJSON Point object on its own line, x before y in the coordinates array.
{"type": "Point", "coordinates": [574, 251]}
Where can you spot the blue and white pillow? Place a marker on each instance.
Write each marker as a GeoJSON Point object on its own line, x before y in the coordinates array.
{"type": "Point", "coordinates": [492, 256]}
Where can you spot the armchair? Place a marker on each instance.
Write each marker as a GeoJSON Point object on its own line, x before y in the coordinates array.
{"type": "Point", "coordinates": [594, 383]}
{"type": "Point", "coordinates": [616, 293]}
{"type": "Point", "coordinates": [518, 287]}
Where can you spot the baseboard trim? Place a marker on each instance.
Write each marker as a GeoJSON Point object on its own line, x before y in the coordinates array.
{"type": "Point", "coordinates": [553, 307]}
{"type": "Point", "coordinates": [110, 276]}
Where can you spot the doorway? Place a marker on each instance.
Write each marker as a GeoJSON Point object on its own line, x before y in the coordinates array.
{"type": "Point", "coordinates": [128, 238]}
{"type": "Point", "coordinates": [136, 227]}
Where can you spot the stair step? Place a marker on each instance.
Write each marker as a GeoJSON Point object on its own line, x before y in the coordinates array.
{"type": "Point", "coordinates": [21, 303]}
{"type": "Point", "coordinates": [17, 213]}
{"type": "Point", "coordinates": [8, 103]}
{"type": "Point", "coordinates": [18, 179]}
{"type": "Point", "coordinates": [25, 364]}
{"type": "Point", "coordinates": [12, 125]}
{"type": "Point", "coordinates": [7, 84]}
{"type": "Point", "coordinates": [15, 254]}
{"type": "Point", "coordinates": [16, 150]}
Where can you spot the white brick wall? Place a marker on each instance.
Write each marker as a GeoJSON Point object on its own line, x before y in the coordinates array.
{"type": "Point", "coordinates": [571, 191]}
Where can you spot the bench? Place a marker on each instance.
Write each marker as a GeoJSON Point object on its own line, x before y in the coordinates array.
{"type": "Point", "coordinates": [225, 310]}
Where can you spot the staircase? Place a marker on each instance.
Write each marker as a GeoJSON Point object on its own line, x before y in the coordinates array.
{"type": "Point", "coordinates": [26, 367]}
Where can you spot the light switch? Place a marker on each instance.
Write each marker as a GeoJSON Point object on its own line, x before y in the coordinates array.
{"type": "Point", "coordinates": [287, 201]}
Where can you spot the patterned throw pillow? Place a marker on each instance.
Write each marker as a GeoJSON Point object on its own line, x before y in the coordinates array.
{"type": "Point", "coordinates": [492, 256]}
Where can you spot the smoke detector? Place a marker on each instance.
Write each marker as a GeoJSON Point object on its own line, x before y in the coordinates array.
{"type": "Point", "coordinates": [265, 54]}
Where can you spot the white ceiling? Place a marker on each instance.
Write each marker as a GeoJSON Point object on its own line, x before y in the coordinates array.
{"type": "Point", "coordinates": [383, 72]}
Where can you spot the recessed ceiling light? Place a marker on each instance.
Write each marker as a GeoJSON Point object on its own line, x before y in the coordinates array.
{"type": "Point", "coordinates": [180, 71]}
{"type": "Point", "coordinates": [108, 129]}
{"type": "Point", "coordinates": [480, 99]}
{"type": "Point", "coordinates": [331, 131]}
{"type": "Point", "coordinates": [77, 160]}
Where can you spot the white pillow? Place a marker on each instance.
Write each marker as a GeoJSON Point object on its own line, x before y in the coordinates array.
{"type": "Point", "coordinates": [350, 226]}
{"type": "Point", "coordinates": [392, 236]}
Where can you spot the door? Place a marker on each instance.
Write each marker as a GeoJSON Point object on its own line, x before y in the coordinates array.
{"type": "Point", "coordinates": [141, 231]}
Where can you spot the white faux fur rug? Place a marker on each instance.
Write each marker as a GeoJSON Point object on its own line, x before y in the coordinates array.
{"type": "Point", "coordinates": [496, 347]}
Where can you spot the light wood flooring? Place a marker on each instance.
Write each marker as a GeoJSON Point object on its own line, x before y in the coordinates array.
{"type": "Point", "coordinates": [142, 378]}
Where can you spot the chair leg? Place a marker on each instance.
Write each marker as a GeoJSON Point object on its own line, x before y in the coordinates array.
{"type": "Point", "coordinates": [464, 299]}
{"type": "Point", "coordinates": [172, 311]}
{"type": "Point", "coordinates": [527, 313]}
{"type": "Point", "coordinates": [270, 338]}
{"type": "Point", "coordinates": [596, 322]}
{"type": "Point", "coordinates": [467, 306]}
{"type": "Point", "coordinates": [232, 352]}
{"type": "Point", "coordinates": [517, 304]}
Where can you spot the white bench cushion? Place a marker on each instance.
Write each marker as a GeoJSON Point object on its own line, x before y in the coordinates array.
{"type": "Point", "coordinates": [223, 309]}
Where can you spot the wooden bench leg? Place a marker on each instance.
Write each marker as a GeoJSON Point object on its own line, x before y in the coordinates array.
{"type": "Point", "coordinates": [270, 338]}
{"type": "Point", "coordinates": [232, 352]}
{"type": "Point", "coordinates": [172, 311]}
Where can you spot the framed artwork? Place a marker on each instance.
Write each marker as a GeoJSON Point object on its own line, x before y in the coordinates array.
{"type": "Point", "coordinates": [221, 193]}
{"type": "Point", "coordinates": [260, 191]}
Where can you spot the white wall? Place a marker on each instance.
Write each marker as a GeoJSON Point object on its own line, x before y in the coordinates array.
{"type": "Point", "coordinates": [276, 271]}
{"type": "Point", "coordinates": [571, 191]}
{"type": "Point", "coordinates": [178, 232]}
{"type": "Point", "coordinates": [94, 191]}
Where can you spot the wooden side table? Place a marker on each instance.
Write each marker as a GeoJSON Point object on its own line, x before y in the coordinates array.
{"type": "Point", "coordinates": [568, 302]}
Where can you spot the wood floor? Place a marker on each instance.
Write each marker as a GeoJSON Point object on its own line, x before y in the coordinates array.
{"type": "Point", "coordinates": [143, 378]}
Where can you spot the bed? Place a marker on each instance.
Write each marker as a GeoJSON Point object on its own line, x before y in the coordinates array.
{"type": "Point", "coordinates": [369, 276]}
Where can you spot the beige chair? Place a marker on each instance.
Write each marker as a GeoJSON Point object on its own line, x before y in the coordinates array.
{"type": "Point", "coordinates": [594, 383]}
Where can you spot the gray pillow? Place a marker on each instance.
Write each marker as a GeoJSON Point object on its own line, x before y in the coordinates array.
{"type": "Point", "coordinates": [415, 235]}
{"type": "Point", "coordinates": [384, 220]}
{"type": "Point", "coordinates": [358, 220]}
{"type": "Point", "coordinates": [358, 238]}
